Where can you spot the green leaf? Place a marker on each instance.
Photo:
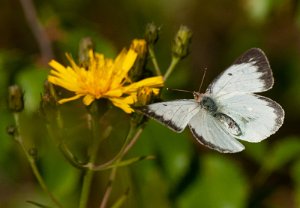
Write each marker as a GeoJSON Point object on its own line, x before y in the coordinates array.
{"type": "Point", "coordinates": [220, 184]}
{"type": "Point", "coordinates": [126, 162]}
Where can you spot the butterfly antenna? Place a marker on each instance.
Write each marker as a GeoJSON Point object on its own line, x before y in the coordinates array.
{"type": "Point", "coordinates": [202, 79]}
{"type": "Point", "coordinates": [179, 90]}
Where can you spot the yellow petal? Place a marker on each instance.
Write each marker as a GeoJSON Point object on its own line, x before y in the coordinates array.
{"type": "Point", "coordinates": [114, 93]}
{"type": "Point", "coordinates": [123, 64]}
{"type": "Point", "coordinates": [57, 66]}
{"type": "Point", "coordinates": [148, 82]}
{"type": "Point", "coordinates": [124, 103]}
{"type": "Point", "coordinates": [88, 99]}
{"type": "Point", "coordinates": [69, 99]}
{"type": "Point", "coordinates": [129, 60]}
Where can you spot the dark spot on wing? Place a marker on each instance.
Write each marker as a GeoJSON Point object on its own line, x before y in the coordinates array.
{"type": "Point", "coordinates": [258, 58]}
{"type": "Point", "coordinates": [230, 74]}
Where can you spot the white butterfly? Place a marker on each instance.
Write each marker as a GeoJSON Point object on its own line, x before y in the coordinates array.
{"type": "Point", "coordinates": [229, 109]}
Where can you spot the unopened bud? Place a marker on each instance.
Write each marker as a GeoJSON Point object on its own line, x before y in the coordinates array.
{"type": "Point", "coordinates": [15, 98]}
{"type": "Point", "coordinates": [85, 45]}
{"type": "Point", "coordinates": [140, 47]}
{"type": "Point", "coordinates": [181, 42]}
{"type": "Point", "coordinates": [151, 33]}
{"type": "Point", "coordinates": [145, 95]}
{"type": "Point", "coordinates": [48, 102]}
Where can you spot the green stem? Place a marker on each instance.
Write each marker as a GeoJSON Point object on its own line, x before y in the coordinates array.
{"type": "Point", "coordinates": [85, 192]}
{"type": "Point", "coordinates": [174, 62]}
{"type": "Point", "coordinates": [133, 135]}
{"type": "Point", "coordinates": [59, 119]}
{"type": "Point", "coordinates": [108, 190]}
{"type": "Point", "coordinates": [31, 161]}
{"type": "Point", "coordinates": [88, 176]}
{"type": "Point", "coordinates": [70, 157]}
{"type": "Point", "coordinates": [153, 59]}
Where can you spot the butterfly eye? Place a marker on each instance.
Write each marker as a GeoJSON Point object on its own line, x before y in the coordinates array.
{"type": "Point", "coordinates": [231, 126]}
{"type": "Point", "coordinates": [208, 104]}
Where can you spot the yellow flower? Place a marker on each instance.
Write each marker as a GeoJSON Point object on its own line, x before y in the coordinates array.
{"type": "Point", "coordinates": [103, 78]}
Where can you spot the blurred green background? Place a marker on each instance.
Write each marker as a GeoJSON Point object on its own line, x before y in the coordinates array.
{"type": "Point", "coordinates": [184, 174]}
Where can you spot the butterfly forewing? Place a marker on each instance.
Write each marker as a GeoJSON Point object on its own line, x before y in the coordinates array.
{"type": "Point", "coordinates": [173, 114]}
{"type": "Point", "coordinates": [250, 73]}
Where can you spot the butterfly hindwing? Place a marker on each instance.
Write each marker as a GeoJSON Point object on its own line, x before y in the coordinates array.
{"type": "Point", "coordinates": [173, 114]}
{"type": "Point", "coordinates": [209, 132]}
{"type": "Point", "coordinates": [250, 73]}
{"type": "Point", "coordinates": [258, 117]}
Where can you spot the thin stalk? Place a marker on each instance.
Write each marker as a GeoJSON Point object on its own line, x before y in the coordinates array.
{"type": "Point", "coordinates": [133, 135]}
{"type": "Point", "coordinates": [33, 166]}
{"type": "Point", "coordinates": [88, 176]}
{"type": "Point", "coordinates": [109, 187]}
{"type": "Point", "coordinates": [174, 62]}
{"type": "Point", "coordinates": [58, 116]}
{"type": "Point", "coordinates": [37, 30]}
{"type": "Point", "coordinates": [153, 59]}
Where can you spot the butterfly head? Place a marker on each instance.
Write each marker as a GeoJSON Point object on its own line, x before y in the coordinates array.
{"type": "Point", "coordinates": [198, 96]}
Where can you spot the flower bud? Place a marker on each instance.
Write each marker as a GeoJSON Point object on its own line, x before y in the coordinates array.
{"type": "Point", "coordinates": [86, 44]}
{"type": "Point", "coordinates": [48, 101]}
{"type": "Point", "coordinates": [151, 33]}
{"type": "Point", "coordinates": [140, 47]}
{"type": "Point", "coordinates": [15, 98]}
{"type": "Point", "coordinates": [181, 42]}
{"type": "Point", "coordinates": [145, 95]}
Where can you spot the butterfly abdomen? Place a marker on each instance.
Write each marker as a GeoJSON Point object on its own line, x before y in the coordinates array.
{"type": "Point", "coordinates": [231, 126]}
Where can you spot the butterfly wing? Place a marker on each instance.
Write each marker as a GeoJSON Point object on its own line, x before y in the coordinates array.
{"type": "Point", "coordinates": [258, 117]}
{"type": "Point", "coordinates": [250, 73]}
{"type": "Point", "coordinates": [174, 114]}
{"type": "Point", "coordinates": [209, 132]}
